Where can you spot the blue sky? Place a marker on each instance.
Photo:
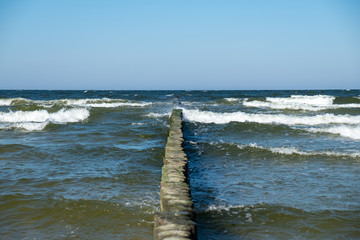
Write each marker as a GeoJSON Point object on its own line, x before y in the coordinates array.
{"type": "Point", "coordinates": [187, 44]}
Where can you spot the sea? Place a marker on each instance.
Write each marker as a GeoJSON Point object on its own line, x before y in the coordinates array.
{"type": "Point", "coordinates": [262, 164]}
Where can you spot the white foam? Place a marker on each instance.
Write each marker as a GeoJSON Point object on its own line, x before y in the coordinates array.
{"type": "Point", "coordinates": [293, 150]}
{"type": "Point", "coordinates": [113, 105]}
{"type": "Point", "coordinates": [233, 99]}
{"type": "Point", "coordinates": [158, 115]}
{"type": "Point", "coordinates": [5, 102]}
{"type": "Point", "coordinates": [62, 116]}
{"type": "Point", "coordinates": [227, 208]}
{"type": "Point", "coordinates": [30, 126]}
{"type": "Point", "coordinates": [87, 102]}
{"type": "Point", "coordinates": [10, 101]}
{"type": "Point", "coordinates": [101, 103]}
{"type": "Point", "coordinates": [138, 124]}
{"type": "Point", "coordinates": [249, 217]}
{"type": "Point", "coordinates": [38, 120]}
{"type": "Point", "coordinates": [352, 132]}
{"type": "Point", "coordinates": [300, 102]}
{"type": "Point", "coordinates": [317, 100]}
{"type": "Point", "coordinates": [223, 118]}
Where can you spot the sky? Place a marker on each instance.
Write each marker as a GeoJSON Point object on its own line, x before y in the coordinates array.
{"type": "Point", "coordinates": [180, 44]}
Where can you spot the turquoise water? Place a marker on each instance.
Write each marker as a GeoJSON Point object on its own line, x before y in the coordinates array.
{"type": "Point", "coordinates": [263, 164]}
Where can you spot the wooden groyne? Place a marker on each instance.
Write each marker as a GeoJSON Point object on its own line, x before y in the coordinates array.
{"type": "Point", "coordinates": [176, 219]}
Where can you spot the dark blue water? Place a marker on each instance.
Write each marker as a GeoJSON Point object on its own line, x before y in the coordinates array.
{"type": "Point", "coordinates": [263, 164]}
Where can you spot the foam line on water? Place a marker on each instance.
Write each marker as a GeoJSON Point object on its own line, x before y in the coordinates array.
{"type": "Point", "coordinates": [38, 120]}
{"type": "Point", "coordinates": [295, 151]}
{"type": "Point", "coordinates": [299, 102]}
{"type": "Point", "coordinates": [227, 208]}
{"type": "Point", "coordinates": [158, 115]}
{"type": "Point", "coordinates": [29, 126]}
{"type": "Point", "coordinates": [352, 132]}
{"type": "Point", "coordinates": [317, 100]}
{"type": "Point", "coordinates": [6, 101]}
{"type": "Point", "coordinates": [233, 99]}
{"type": "Point", "coordinates": [86, 102]}
{"type": "Point", "coordinates": [224, 118]}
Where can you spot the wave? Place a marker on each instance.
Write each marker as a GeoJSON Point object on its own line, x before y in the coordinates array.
{"type": "Point", "coordinates": [233, 99]}
{"type": "Point", "coordinates": [317, 100]}
{"type": "Point", "coordinates": [6, 101]}
{"type": "Point", "coordinates": [284, 150]}
{"type": "Point", "coordinates": [300, 102]}
{"type": "Point", "coordinates": [224, 118]}
{"type": "Point", "coordinates": [146, 203]}
{"type": "Point", "coordinates": [87, 102]}
{"type": "Point", "coordinates": [263, 209]}
{"type": "Point", "coordinates": [158, 115]}
{"type": "Point", "coordinates": [295, 151]}
{"type": "Point", "coordinates": [103, 103]}
{"type": "Point", "coordinates": [352, 132]}
{"type": "Point", "coordinates": [39, 119]}
{"type": "Point", "coordinates": [277, 221]}
{"type": "Point", "coordinates": [17, 101]}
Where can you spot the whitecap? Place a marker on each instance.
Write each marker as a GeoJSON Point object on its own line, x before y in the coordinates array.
{"type": "Point", "coordinates": [86, 102]}
{"type": "Point", "coordinates": [317, 100]}
{"type": "Point", "coordinates": [10, 101]}
{"type": "Point", "coordinates": [5, 102]}
{"type": "Point", "coordinates": [295, 151]}
{"type": "Point", "coordinates": [113, 105]}
{"type": "Point", "coordinates": [224, 118]}
{"type": "Point", "coordinates": [101, 103]}
{"type": "Point", "coordinates": [158, 115]}
{"type": "Point", "coordinates": [38, 120]}
{"type": "Point", "coordinates": [352, 132]}
{"type": "Point", "coordinates": [300, 102]}
{"type": "Point", "coordinates": [232, 99]}
{"type": "Point", "coordinates": [61, 116]}
{"type": "Point", "coordinates": [29, 126]}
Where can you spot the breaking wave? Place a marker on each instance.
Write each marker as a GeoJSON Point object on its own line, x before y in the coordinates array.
{"type": "Point", "coordinates": [293, 150]}
{"type": "Point", "coordinates": [232, 99]}
{"type": "Point", "coordinates": [88, 102]}
{"type": "Point", "coordinates": [6, 101]}
{"type": "Point", "coordinates": [352, 132]}
{"type": "Point", "coordinates": [300, 102]}
{"type": "Point", "coordinates": [224, 118]}
{"type": "Point", "coordinates": [158, 115]}
{"type": "Point", "coordinates": [39, 119]}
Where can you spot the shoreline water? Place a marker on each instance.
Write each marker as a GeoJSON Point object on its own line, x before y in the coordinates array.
{"type": "Point", "coordinates": [88, 164]}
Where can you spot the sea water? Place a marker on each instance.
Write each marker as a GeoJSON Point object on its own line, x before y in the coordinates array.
{"type": "Point", "coordinates": [262, 164]}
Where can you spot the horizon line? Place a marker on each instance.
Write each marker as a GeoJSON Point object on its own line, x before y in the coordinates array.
{"type": "Point", "coordinates": [285, 89]}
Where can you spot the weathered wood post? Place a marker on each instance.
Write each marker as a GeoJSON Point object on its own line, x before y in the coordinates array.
{"type": "Point", "coordinates": [176, 219]}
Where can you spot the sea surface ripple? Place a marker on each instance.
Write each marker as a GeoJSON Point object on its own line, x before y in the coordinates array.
{"type": "Point", "coordinates": [262, 164]}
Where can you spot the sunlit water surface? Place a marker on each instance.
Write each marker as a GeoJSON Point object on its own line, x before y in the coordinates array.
{"type": "Point", "coordinates": [263, 164]}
